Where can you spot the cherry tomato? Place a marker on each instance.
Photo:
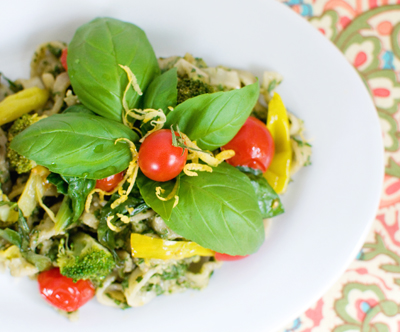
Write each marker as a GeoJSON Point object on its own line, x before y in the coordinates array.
{"type": "Point", "coordinates": [109, 183]}
{"type": "Point", "coordinates": [63, 58]}
{"type": "Point", "coordinates": [159, 160]}
{"type": "Point", "coordinates": [253, 145]}
{"type": "Point", "coordinates": [62, 292]}
{"type": "Point", "coordinates": [226, 257]}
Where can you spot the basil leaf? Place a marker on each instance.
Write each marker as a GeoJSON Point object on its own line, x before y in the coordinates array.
{"type": "Point", "coordinates": [212, 120]}
{"type": "Point", "coordinates": [162, 92]}
{"type": "Point", "coordinates": [76, 144]}
{"type": "Point", "coordinates": [147, 189]}
{"type": "Point", "coordinates": [219, 211]}
{"type": "Point", "coordinates": [78, 109]}
{"type": "Point", "coordinates": [268, 200]}
{"type": "Point", "coordinates": [58, 181]}
{"type": "Point", "coordinates": [11, 236]}
{"type": "Point", "coordinates": [94, 55]}
{"type": "Point", "coordinates": [78, 190]}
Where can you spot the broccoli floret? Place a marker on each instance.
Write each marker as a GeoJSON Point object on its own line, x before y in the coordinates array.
{"type": "Point", "coordinates": [188, 88]}
{"type": "Point", "coordinates": [84, 259]}
{"type": "Point", "coordinates": [17, 162]}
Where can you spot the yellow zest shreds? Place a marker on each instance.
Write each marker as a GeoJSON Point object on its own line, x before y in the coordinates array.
{"type": "Point", "coordinates": [149, 247]}
{"type": "Point", "coordinates": [111, 226]}
{"type": "Point", "coordinates": [195, 153]}
{"type": "Point", "coordinates": [171, 195]}
{"type": "Point", "coordinates": [131, 174]}
{"type": "Point", "coordinates": [189, 168]}
{"type": "Point", "coordinates": [146, 115]}
{"type": "Point", "coordinates": [132, 81]}
{"type": "Point", "coordinates": [124, 219]}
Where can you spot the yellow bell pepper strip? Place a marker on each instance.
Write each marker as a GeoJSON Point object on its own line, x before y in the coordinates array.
{"type": "Point", "coordinates": [278, 173]}
{"type": "Point", "coordinates": [144, 246]}
{"type": "Point", "coordinates": [13, 106]}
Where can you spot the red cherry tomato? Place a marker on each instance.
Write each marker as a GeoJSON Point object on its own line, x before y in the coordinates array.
{"type": "Point", "coordinates": [226, 257]}
{"type": "Point", "coordinates": [63, 58]}
{"type": "Point", "coordinates": [158, 159]}
{"type": "Point", "coordinates": [109, 183]}
{"type": "Point", "coordinates": [253, 145]}
{"type": "Point", "coordinates": [62, 292]}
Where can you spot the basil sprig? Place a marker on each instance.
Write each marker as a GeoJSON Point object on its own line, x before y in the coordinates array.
{"type": "Point", "coordinates": [77, 144]}
{"type": "Point", "coordinates": [94, 55]}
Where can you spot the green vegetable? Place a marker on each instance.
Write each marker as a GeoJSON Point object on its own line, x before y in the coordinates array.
{"type": "Point", "coordinates": [18, 162]}
{"type": "Point", "coordinates": [268, 200]}
{"type": "Point", "coordinates": [162, 92]}
{"type": "Point", "coordinates": [105, 235]}
{"type": "Point", "coordinates": [64, 216]}
{"type": "Point", "coordinates": [11, 236]}
{"type": "Point", "coordinates": [219, 211]}
{"type": "Point", "coordinates": [41, 262]}
{"type": "Point", "coordinates": [147, 189]}
{"type": "Point", "coordinates": [94, 55]}
{"type": "Point", "coordinates": [78, 190]}
{"type": "Point", "coordinates": [189, 88]}
{"type": "Point", "coordinates": [77, 144]}
{"type": "Point", "coordinates": [212, 120]}
{"type": "Point", "coordinates": [84, 259]}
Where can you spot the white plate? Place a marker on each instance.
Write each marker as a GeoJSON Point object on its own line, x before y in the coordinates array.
{"type": "Point", "coordinates": [329, 207]}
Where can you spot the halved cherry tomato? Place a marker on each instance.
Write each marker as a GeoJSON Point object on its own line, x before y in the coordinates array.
{"type": "Point", "coordinates": [158, 159]}
{"type": "Point", "coordinates": [109, 183]}
{"type": "Point", "coordinates": [63, 58]}
{"type": "Point", "coordinates": [226, 257]}
{"type": "Point", "coordinates": [62, 292]}
{"type": "Point", "coordinates": [253, 146]}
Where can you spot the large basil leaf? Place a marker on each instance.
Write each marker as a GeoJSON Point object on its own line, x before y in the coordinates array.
{"type": "Point", "coordinates": [94, 55]}
{"type": "Point", "coordinates": [76, 144]}
{"type": "Point", "coordinates": [147, 189]}
{"type": "Point", "coordinates": [268, 200]}
{"type": "Point", "coordinates": [78, 190]}
{"type": "Point", "coordinates": [212, 120]}
{"type": "Point", "coordinates": [219, 211]}
{"type": "Point", "coordinates": [162, 92]}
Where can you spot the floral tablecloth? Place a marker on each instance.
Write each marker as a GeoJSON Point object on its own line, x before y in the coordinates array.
{"type": "Point", "coordinates": [367, 296]}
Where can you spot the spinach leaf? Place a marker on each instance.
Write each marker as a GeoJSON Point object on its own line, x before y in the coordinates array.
{"type": "Point", "coordinates": [76, 144]}
{"type": "Point", "coordinates": [78, 190]}
{"type": "Point", "coordinates": [147, 189]}
{"type": "Point", "coordinates": [219, 211]}
{"type": "Point", "coordinates": [11, 236]}
{"type": "Point", "coordinates": [212, 120]}
{"type": "Point", "coordinates": [162, 92]}
{"type": "Point", "coordinates": [58, 181]}
{"type": "Point", "coordinates": [94, 55]}
{"type": "Point", "coordinates": [268, 200]}
{"type": "Point", "coordinates": [41, 262]}
{"type": "Point", "coordinates": [64, 216]}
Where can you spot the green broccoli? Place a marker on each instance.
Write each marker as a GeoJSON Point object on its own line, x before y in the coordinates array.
{"type": "Point", "coordinates": [17, 162]}
{"type": "Point", "coordinates": [85, 259]}
{"type": "Point", "coordinates": [188, 88]}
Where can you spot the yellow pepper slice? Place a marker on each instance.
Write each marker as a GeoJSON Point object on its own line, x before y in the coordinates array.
{"type": "Point", "coordinates": [13, 106]}
{"type": "Point", "coordinates": [149, 247]}
{"type": "Point", "coordinates": [278, 173]}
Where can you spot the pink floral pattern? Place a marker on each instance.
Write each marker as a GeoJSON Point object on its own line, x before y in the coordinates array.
{"type": "Point", "coordinates": [367, 296]}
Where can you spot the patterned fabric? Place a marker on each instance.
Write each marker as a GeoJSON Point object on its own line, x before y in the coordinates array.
{"type": "Point", "coordinates": [367, 297]}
